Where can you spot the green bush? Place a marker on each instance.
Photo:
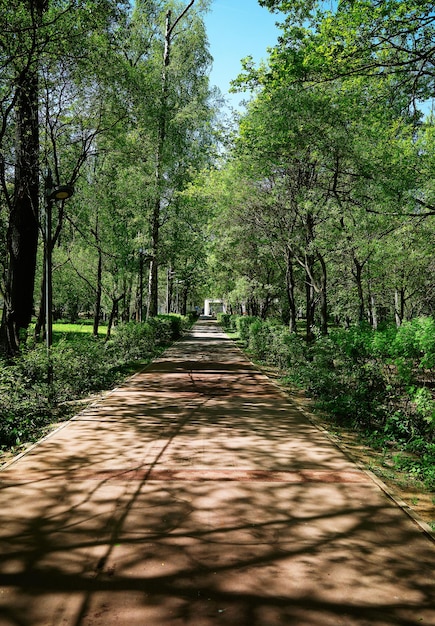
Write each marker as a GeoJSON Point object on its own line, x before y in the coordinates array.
{"type": "Point", "coordinates": [132, 342]}
{"type": "Point", "coordinates": [243, 323]}
{"type": "Point", "coordinates": [224, 319]}
{"type": "Point", "coordinates": [168, 328]}
{"type": "Point", "coordinates": [259, 338]}
{"type": "Point", "coordinates": [80, 364]}
{"type": "Point", "coordinates": [24, 403]}
{"type": "Point", "coordinates": [287, 349]}
{"type": "Point", "coordinates": [425, 339]}
{"type": "Point", "coordinates": [405, 343]}
{"type": "Point", "coordinates": [79, 368]}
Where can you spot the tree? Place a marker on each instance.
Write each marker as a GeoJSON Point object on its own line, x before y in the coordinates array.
{"type": "Point", "coordinates": [21, 95]}
{"type": "Point", "coordinates": [182, 85]}
{"type": "Point", "coordinates": [35, 36]}
{"type": "Point", "coordinates": [338, 167]}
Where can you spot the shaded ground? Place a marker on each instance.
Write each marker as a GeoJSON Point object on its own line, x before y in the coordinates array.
{"type": "Point", "coordinates": [198, 494]}
{"type": "Point", "coordinates": [381, 462]}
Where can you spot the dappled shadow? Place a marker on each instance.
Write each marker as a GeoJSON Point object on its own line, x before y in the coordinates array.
{"type": "Point", "coordinates": [200, 495]}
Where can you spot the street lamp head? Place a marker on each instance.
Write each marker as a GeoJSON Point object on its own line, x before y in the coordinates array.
{"type": "Point", "coordinates": [61, 193]}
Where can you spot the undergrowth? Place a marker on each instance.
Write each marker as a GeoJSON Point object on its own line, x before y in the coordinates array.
{"type": "Point", "coordinates": [81, 365]}
{"type": "Point", "coordinates": [380, 382]}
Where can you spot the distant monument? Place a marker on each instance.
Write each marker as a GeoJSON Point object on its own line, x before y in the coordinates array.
{"type": "Point", "coordinates": [211, 307]}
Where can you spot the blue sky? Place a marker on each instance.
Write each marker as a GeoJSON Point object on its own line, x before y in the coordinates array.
{"type": "Point", "coordinates": [236, 29]}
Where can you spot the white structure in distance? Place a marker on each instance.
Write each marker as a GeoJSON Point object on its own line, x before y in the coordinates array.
{"type": "Point", "coordinates": [211, 307]}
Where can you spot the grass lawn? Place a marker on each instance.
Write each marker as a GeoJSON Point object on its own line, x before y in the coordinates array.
{"type": "Point", "coordinates": [68, 331]}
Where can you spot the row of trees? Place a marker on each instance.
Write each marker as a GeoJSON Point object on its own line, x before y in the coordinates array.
{"type": "Point", "coordinates": [325, 208]}
{"type": "Point", "coordinates": [115, 100]}
{"type": "Point", "coordinates": [322, 206]}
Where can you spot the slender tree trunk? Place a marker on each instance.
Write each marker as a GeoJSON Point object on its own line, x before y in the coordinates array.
{"type": "Point", "coordinates": [290, 290]}
{"type": "Point", "coordinates": [357, 274]}
{"type": "Point", "coordinates": [169, 289]}
{"type": "Point", "coordinates": [309, 307]}
{"type": "Point", "coordinates": [113, 314]}
{"type": "Point", "coordinates": [98, 294]}
{"type": "Point", "coordinates": [399, 306]}
{"type": "Point", "coordinates": [323, 296]}
{"type": "Point", "coordinates": [161, 140]}
{"type": "Point", "coordinates": [139, 308]}
{"type": "Point", "coordinates": [373, 313]}
{"type": "Point", "coordinates": [40, 320]}
{"type": "Point", "coordinates": [184, 296]}
{"type": "Point", "coordinates": [161, 137]}
{"type": "Point", "coordinates": [309, 279]}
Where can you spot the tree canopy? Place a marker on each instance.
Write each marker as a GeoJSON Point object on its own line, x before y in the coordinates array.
{"type": "Point", "coordinates": [318, 204]}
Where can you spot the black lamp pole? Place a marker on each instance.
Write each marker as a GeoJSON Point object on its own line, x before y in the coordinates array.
{"type": "Point", "coordinates": [48, 263]}
{"type": "Point", "coordinates": [52, 194]}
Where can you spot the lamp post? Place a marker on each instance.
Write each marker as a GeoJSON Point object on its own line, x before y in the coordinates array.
{"type": "Point", "coordinates": [60, 192]}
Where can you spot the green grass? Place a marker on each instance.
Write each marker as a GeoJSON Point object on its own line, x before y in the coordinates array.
{"type": "Point", "coordinates": [67, 331]}
{"type": "Point", "coordinates": [83, 327]}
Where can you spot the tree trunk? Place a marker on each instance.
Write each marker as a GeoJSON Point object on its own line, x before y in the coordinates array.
{"type": "Point", "coordinates": [290, 290]}
{"type": "Point", "coordinates": [357, 274]}
{"type": "Point", "coordinates": [399, 306]}
{"type": "Point", "coordinates": [309, 277]}
{"type": "Point", "coordinates": [309, 307]}
{"type": "Point", "coordinates": [22, 236]}
{"type": "Point", "coordinates": [40, 320]}
{"type": "Point", "coordinates": [323, 297]}
{"type": "Point", "coordinates": [373, 313]}
{"type": "Point", "coordinates": [98, 293]}
{"type": "Point", "coordinates": [161, 139]}
{"type": "Point", "coordinates": [153, 282]}
{"type": "Point", "coordinates": [139, 307]}
{"type": "Point", "coordinates": [113, 314]}
{"type": "Point", "coordinates": [184, 296]}
{"type": "Point", "coordinates": [169, 289]}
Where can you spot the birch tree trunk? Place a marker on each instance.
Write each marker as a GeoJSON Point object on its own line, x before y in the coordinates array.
{"type": "Point", "coordinates": [159, 170]}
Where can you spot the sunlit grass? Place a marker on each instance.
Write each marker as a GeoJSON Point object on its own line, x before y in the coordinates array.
{"type": "Point", "coordinates": [68, 331]}
{"type": "Point", "coordinates": [82, 328]}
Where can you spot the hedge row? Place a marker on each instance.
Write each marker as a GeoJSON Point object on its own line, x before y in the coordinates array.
{"type": "Point", "coordinates": [380, 381]}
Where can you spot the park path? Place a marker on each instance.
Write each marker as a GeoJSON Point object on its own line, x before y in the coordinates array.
{"type": "Point", "coordinates": [197, 494]}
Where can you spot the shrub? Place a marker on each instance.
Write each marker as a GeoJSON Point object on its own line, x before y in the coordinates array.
{"type": "Point", "coordinates": [287, 350]}
{"type": "Point", "coordinates": [168, 328]}
{"type": "Point", "coordinates": [80, 367]}
{"type": "Point", "coordinates": [131, 342]}
{"type": "Point", "coordinates": [406, 344]}
{"type": "Point", "coordinates": [224, 319]}
{"type": "Point", "coordinates": [259, 339]}
{"type": "Point", "coordinates": [425, 339]}
{"type": "Point", "coordinates": [243, 323]}
{"type": "Point", "coordinates": [24, 403]}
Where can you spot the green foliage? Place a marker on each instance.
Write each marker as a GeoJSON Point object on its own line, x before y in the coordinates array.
{"type": "Point", "coordinates": [138, 341]}
{"type": "Point", "coordinates": [81, 367]}
{"type": "Point", "coordinates": [132, 341]}
{"type": "Point", "coordinates": [168, 328]}
{"type": "Point", "coordinates": [377, 381]}
{"type": "Point", "coordinates": [224, 319]}
{"type": "Point", "coordinates": [23, 401]}
{"type": "Point", "coordinates": [81, 364]}
{"type": "Point", "coordinates": [424, 405]}
{"type": "Point", "coordinates": [258, 338]}
{"type": "Point", "coordinates": [419, 467]}
{"type": "Point", "coordinates": [242, 324]}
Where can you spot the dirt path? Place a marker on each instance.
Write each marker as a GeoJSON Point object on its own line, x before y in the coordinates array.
{"type": "Point", "coordinates": [197, 494]}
